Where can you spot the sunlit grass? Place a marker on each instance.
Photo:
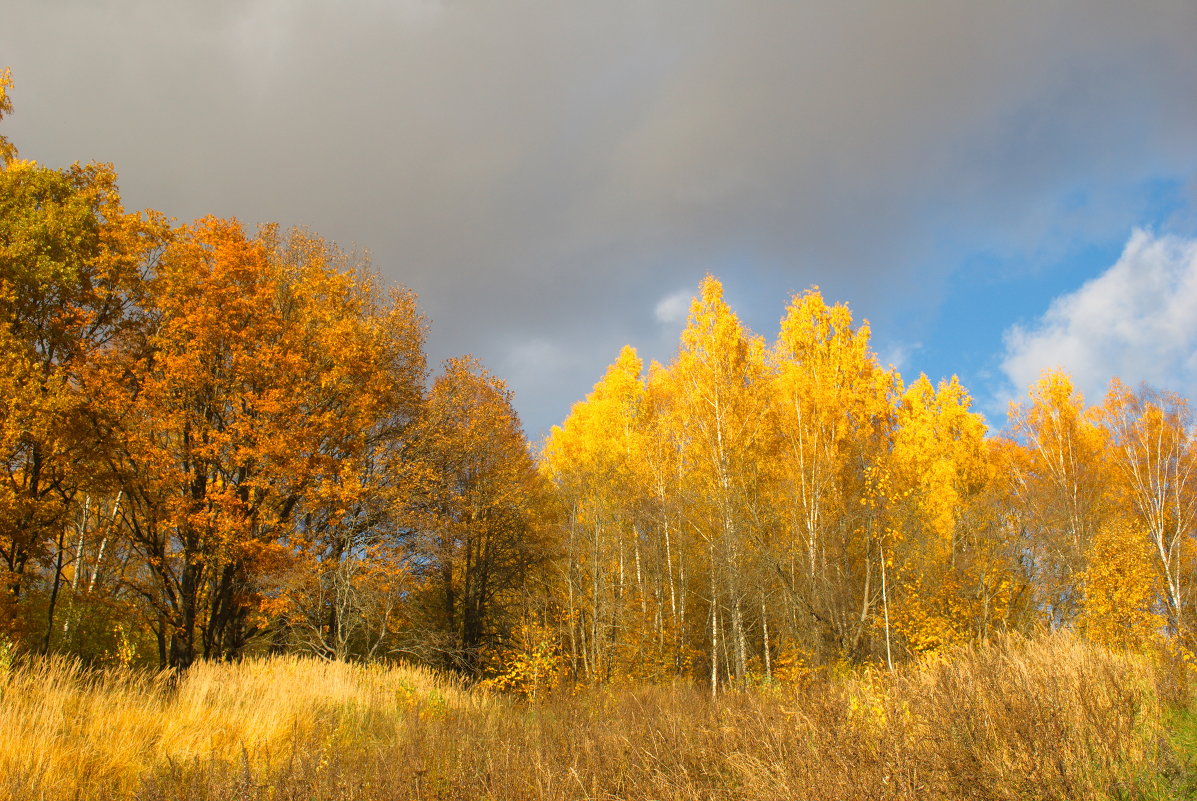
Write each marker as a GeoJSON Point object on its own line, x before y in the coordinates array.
{"type": "Point", "coordinates": [1053, 718]}
{"type": "Point", "coordinates": [71, 732]}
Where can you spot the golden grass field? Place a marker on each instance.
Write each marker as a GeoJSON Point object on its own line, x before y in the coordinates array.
{"type": "Point", "coordinates": [1050, 718]}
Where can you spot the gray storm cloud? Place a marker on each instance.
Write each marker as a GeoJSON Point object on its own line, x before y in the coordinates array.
{"type": "Point", "coordinates": [546, 174]}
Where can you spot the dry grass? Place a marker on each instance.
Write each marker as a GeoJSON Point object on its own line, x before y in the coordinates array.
{"type": "Point", "coordinates": [74, 733]}
{"type": "Point", "coordinates": [1047, 719]}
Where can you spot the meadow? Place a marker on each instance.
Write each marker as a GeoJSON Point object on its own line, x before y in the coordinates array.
{"type": "Point", "coordinates": [1052, 717]}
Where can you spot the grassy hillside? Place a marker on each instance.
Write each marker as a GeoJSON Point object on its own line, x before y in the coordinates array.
{"type": "Point", "coordinates": [1053, 718]}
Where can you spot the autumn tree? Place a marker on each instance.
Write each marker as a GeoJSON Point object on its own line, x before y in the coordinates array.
{"type": "Point", "coordinates": [366, 370]}
{"type": "Point", "coordinates": [485, 517]}
{"type": "Point", "coordinates": [719, 373]}
{"type": "Point", "coordinates": [1061, 489]}
{"type": "Point", "coordinates": [662, 479]}
{"type": "Point", "coordinates": [833, 420]}
{"type": "Point", "coordinates": [1153, 451]}
{"type": "Point", "coordinates": [71, 267]}
{"type": "Point", "coordinates": [593, 458]}
{"type": "Point", "coordinates": [999, 533]}
{"type": "Point", "coordinates": [250, 388]}
{"type": "Point", "coordinates": [941, 570]}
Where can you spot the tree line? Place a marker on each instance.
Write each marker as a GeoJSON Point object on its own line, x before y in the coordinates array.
{"type": "Point", "coordinates": [753, 510]}
{"type": "Point", "coordinates": [215, 442]}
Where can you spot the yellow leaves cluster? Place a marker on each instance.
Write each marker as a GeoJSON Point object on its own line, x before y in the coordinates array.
{"type": "Point", "coordinates": [938, 453]}
{"type": "Point", "coordinates": [1121, 588]}
{"type": "Point", "coordinates": [599, 437]}
{"type": "Point", "coordinates": [792, 665]}
{"type": "Point", "coordinates": [532, 664]}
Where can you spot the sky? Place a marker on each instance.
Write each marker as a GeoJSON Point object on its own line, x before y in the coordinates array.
{"type": "Point", "coordinates": [997, 187]}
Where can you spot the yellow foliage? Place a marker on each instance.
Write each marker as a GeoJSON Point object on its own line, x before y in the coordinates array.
{"type": "Point", "coordinates": [530, 665]}
{"type": "Point", "coordinates": [792, 664]}
{"type": "Point", "coordinates": [1121, 589]}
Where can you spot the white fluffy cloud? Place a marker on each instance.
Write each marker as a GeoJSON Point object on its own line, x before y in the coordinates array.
{"type": "Point", "coordinates": [1136, 321]}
